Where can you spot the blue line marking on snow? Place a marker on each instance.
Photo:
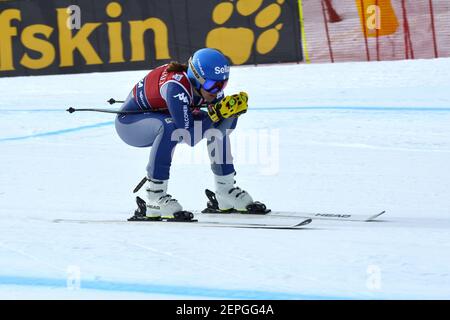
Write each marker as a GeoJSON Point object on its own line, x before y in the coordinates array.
{"type": "Point", "coordinates": [58, 132]}
{"type": "Point", "coordinates": [111, 286]}
{"type": "Point", "coordinates": [324, 108]}
{"type": "Point", "coordinates": [356, 108]}
{"type": "Point", "coordinates": [32, 110]}
{"type": "Point", "coordinates": [296, 108]}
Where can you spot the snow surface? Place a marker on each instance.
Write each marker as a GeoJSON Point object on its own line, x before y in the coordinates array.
{"type": "Point", "coordinates": [350, 137]}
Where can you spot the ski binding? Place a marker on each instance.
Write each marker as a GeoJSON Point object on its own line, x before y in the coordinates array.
{"type": "Point", "coordinates": [213, 206]}
{"type": "Point", "coordinates": [140, 214]}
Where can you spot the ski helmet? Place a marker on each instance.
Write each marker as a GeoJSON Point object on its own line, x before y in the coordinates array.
{"type": "Point", "coordinates": [208, 64]}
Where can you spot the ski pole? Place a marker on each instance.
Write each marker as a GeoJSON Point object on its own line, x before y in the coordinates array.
{"type": "Point", "coordinates": [72, 110]}
{"type": "Point", "coordinates": [112, 101]}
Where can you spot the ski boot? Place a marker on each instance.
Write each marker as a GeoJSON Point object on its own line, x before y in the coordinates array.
{"type": "Point", "coordinates": [161, 206]}
{"type": "Point", "coordinates": [231, 199]}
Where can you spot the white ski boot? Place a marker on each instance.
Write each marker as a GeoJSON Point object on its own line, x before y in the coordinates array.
{"type": "Point", "coordinates": [160, 204]}
{"type": "Point", "coordinates": [229, 196]}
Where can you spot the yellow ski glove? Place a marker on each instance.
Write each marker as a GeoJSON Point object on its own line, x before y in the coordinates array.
{"type": "Point", "coordinates": [228, 107]}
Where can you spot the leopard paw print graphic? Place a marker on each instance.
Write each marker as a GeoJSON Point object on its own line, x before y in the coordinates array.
{"type": "Point", "coordinates": [237, 42]}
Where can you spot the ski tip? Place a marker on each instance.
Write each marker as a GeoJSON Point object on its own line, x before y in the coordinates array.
{"type": "Point", "coordinates": [372, 218]}
{"type": "Point", "coordinates": [292, 227]}
{"type": "Point", "coordinates": [304, 223]}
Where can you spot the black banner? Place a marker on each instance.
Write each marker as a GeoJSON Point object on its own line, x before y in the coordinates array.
{"type": "Point", "coordinates": [61, 36]}
{"type": "Point", "coordinates": [226, 309]}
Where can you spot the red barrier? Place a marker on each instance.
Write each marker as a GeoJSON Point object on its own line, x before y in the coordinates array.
{"type": "Point", "coordinates": [365, 30]}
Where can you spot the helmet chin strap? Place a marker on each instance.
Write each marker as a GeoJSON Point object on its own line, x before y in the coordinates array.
{"type": "Point", "coordinates": [198, 92]}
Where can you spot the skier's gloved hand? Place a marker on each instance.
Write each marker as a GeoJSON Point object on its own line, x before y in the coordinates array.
{"type": "Point", "coordinates": [228, 107]}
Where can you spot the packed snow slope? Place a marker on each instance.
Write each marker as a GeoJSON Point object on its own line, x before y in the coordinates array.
{"type": "Point", "coordinates": [339, 138]}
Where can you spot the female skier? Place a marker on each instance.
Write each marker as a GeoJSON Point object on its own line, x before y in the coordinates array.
{"type": "Point", "coordinates": [173, 93]}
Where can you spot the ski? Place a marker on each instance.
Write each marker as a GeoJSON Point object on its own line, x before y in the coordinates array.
{"type": "Point", "coordinates": [187, 217]}
{"type": "Point", "coordinates": [259, 209]}
{"type": "Point", "coordinates": [204, 223]}
{"type": "Point", "coordinates": [294, 226]}
{"type": "Point", "coordinates": [343, 216]}
{"type": "Point", "coordinates": [245, 221]}
{"type": "Point", "coordinates": [312, 215]}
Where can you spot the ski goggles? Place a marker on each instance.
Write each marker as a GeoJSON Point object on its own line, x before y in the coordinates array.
{"type": "Point", "coordinates": [211, 86]}
{"type": "Point", "coordinates": [214, 86]}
